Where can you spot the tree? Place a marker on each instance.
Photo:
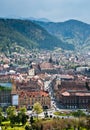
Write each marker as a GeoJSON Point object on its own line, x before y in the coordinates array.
{"type": "Point", "coordinates": [12, 120]}
{"type": "Point", "coordinates": [31, 120]}
{"type": "Point", "coordinates": [88, 122]}
{"type": "Point", "coordinates": [11, 113]}
{"type": "Point", "coordinates": [27, 127]}
{"type": "Point", "coordinates": [18, 119]}
{"type": "Point", "coordinates": [23, 110]}
{"type": "Point", "coordinates": [79, 114]}
{"type": "Point", "coordinates": [37, 108]}
{"type": "Point", "coordinates": [22, 117]}
{"type": "Point", "coordinates": [11, 110]}
{"type": "Point", "coordinates": [1, 116]}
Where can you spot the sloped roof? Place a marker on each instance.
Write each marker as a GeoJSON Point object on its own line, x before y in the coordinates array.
{"type": "Point", "coordinates": [66, 93]}
{"type": "Point", "coordinates": [46, 65]}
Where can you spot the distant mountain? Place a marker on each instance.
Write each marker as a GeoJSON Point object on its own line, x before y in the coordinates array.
{"type": "Point", "coordinates": [27, 18]}
{"type": "Point", "coordinates": [43, 20]}
{"type": "Point", "coordinates": [71, 31]}
{"type": "Point", "coordinates": [38, 19]}
{"type": "Point", "coordinates": [27, 34]}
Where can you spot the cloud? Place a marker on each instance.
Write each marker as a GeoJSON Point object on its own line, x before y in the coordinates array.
{"type": "Point", "coordinates": [56, 10]}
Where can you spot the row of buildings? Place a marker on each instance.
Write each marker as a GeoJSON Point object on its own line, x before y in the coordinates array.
{"type": "Point", "coordinates": [72, 93]}
{"type": "Point", "coordinates": [29, 83]}
{"type": "Point", "coordinates": [25, 91]}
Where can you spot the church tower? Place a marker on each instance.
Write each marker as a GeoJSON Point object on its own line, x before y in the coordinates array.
{"type": "Point", "coordinates": [13, 92]}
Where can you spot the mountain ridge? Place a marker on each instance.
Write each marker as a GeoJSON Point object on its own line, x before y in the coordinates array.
{"type": "Point", "coordinates": [71, 31]}
{"type": "Point", "coordinates": [28, 34]}
{"type": "Point", "coordinates": [44, 35]}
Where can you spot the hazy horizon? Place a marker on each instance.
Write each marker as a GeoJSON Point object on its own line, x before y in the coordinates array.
{"type": "Point", "coordinates": [54, 10]}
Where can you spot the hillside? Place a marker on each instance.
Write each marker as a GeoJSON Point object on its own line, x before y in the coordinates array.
{"type": "Point", "coordinates": [27, 34]}
{"type": "Point", "coordinates": [71, 31]}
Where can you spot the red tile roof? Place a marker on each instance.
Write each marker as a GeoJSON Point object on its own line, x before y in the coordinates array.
{"type": "Point", "coordinates": [33, 94]}
{"type": "Point", "coordinates": [46, 65]}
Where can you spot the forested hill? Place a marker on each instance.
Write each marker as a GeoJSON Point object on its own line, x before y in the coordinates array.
{"type": "Point", "coordinates": [72, 31]}
{"type": "Point", "coordinates": [27, 34]}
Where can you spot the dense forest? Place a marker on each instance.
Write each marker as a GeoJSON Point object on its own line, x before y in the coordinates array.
{"type": "Point", "coordinates": [28, 34]}
{"type": "Point", "coordinates": [72, 32]}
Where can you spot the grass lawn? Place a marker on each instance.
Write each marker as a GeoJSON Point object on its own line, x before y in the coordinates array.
{"type": "Point", "coordinates": [6, 126]}
{"type": "Point", "coordinates": [62, 114]}
{"type": "Point", "coordinates": [6, 123]}
{"type": "Point", "coordinates": [14, 128]}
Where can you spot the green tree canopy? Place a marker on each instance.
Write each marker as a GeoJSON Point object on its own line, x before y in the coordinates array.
{"type": "Point", "coordinates": [79, 113]}
{"type": "Point", "coordinates": [11, 110]}
{"type": "Point", "coordinates": [22, 110]}
{"type": "Point", "coordinates": [22, 117]}
{"type": "Point", "coordinates": [1, 115]}
{"type": "Point", "coordinates": [37, 108]}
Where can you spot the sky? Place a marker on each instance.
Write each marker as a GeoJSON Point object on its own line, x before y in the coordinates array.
{"type": "Point", "coordinates": [54, 10]}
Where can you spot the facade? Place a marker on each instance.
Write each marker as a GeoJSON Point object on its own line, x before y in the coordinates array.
{"type": "Point", "coordinates": [72, 94]}
{"type": "Point", "coordinates": [47, 67]}
{"type": "Point", "coordinates": [5, 98]}
{"type": "Point", "coordinates": [29, 93]}
{"type": "Point", "coordinates": [29, 98]}
{"type": "Point", "coordinates": [31, 72]}
{"type": "Point", "coordinates": [76, 99]}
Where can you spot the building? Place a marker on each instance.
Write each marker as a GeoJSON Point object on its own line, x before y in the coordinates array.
{"type": "Point", "coordinates": [47, 67]}
{"type": "Point", "coordinates": [73, 93]}
{"type": "Point", "coordinates": [5, 97]}
{"type": "Point", "coordinates": [75, 99]}
{"type": "Point", "coordinates": [28, 93]}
